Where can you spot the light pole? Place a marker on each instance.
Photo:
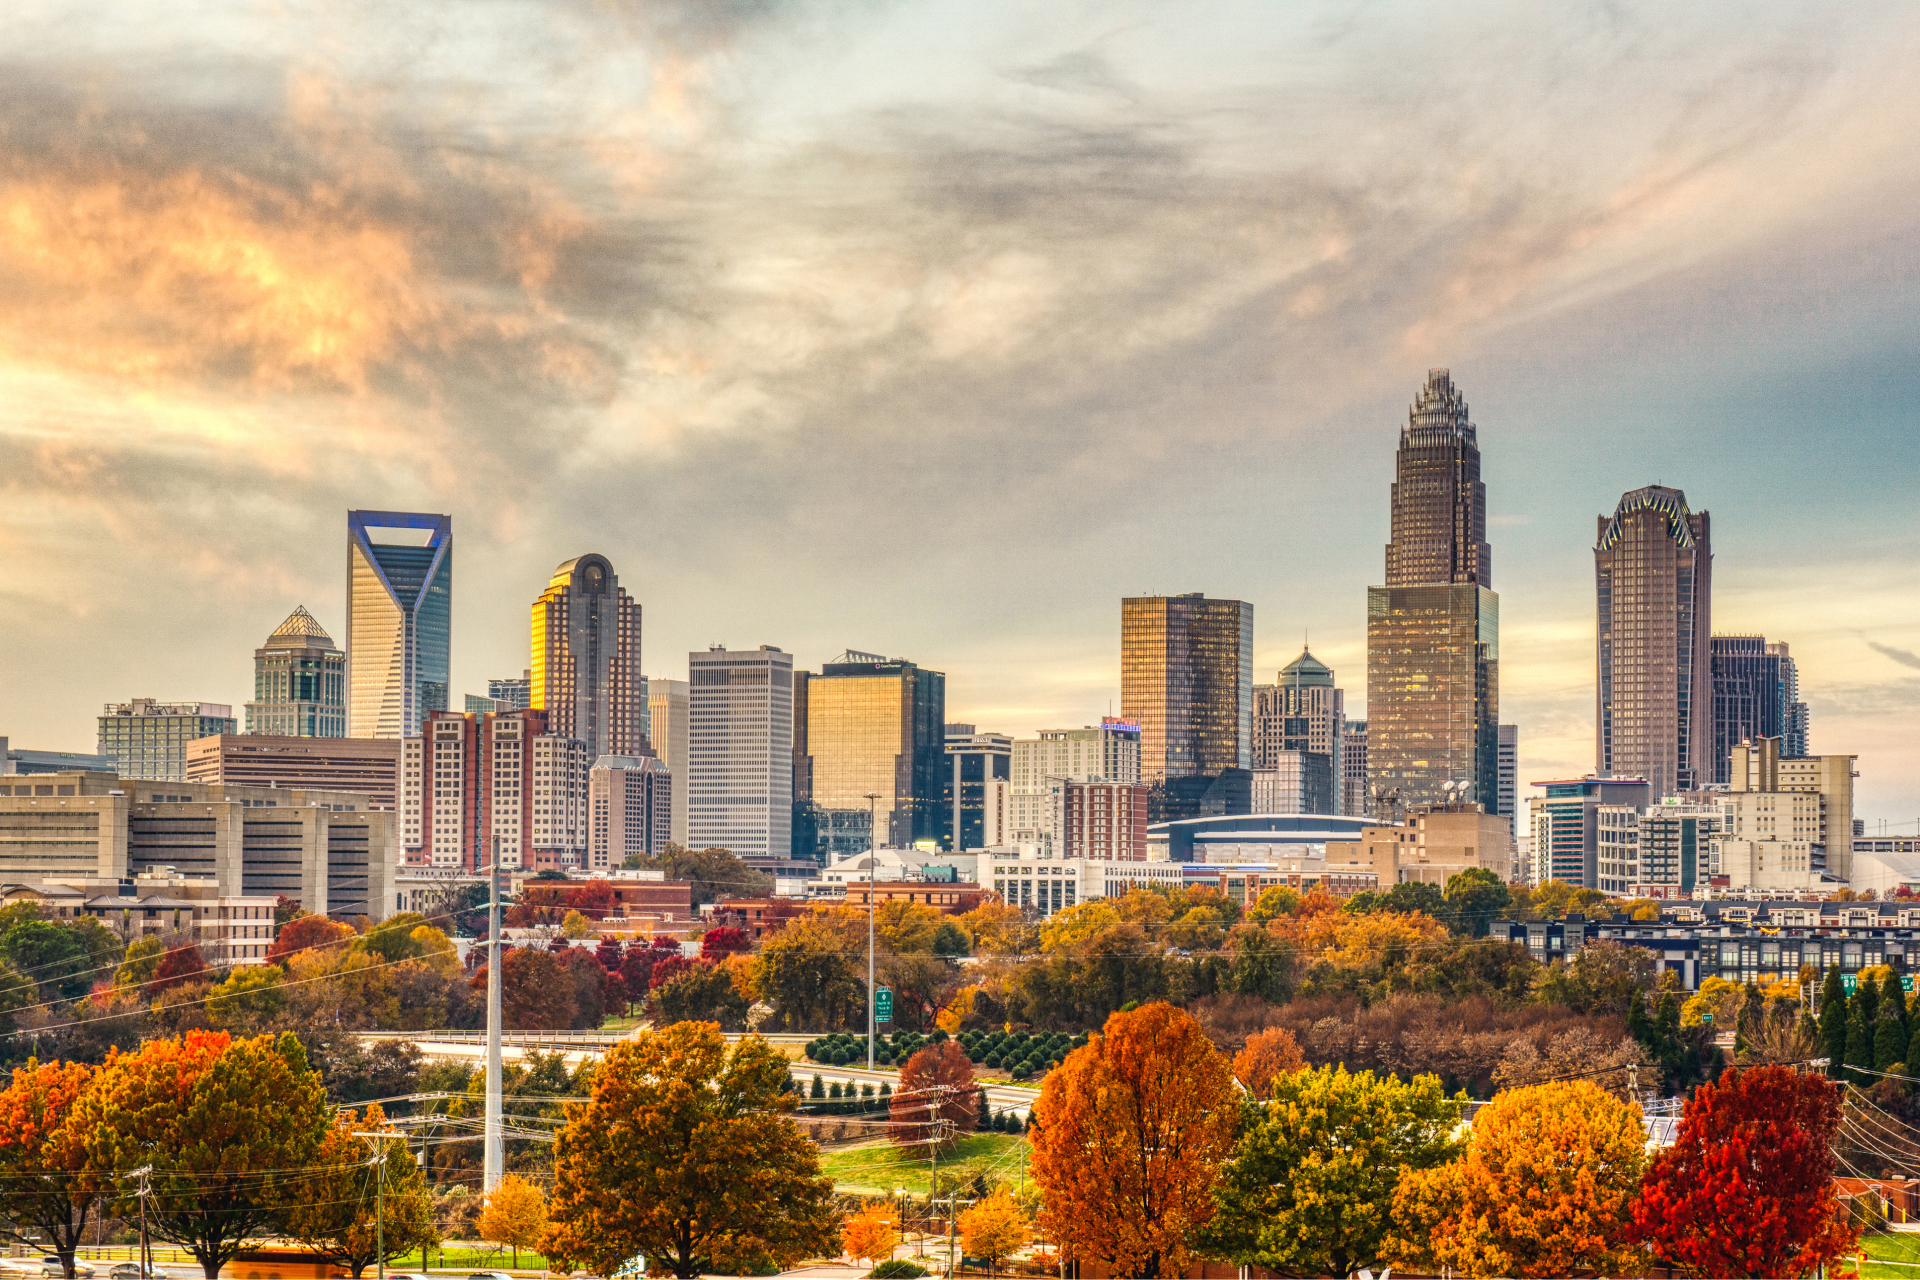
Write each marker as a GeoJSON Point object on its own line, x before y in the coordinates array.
{"type": "Point", "coordinates": [873, 860]}
{"type": "Point", "coordinates": [495, 1165]}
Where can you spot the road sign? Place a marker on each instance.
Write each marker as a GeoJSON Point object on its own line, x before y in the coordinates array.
{"type": "Point", "coordinates": [883, 1005]}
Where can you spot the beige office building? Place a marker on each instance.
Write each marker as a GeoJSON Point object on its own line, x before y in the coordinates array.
{"type": "Point", "coordinates": [667, 707]}
{"type": "Point", "coordinates": [1431, 847]}
{"type": "Point", "coordinates": [327, 850]}
{"type": "Point", "coordinates": [369, 766]}
{"type": "Point", "coordinates": [1757, 768]}
{"type": "Point", "coordinates": [229, 929]}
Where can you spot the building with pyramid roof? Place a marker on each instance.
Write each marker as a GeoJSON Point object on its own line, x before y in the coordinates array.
{"type": "Point", "coordinates": [1299, 740]}
{"type": "Point", "coordinates": [299, 682]}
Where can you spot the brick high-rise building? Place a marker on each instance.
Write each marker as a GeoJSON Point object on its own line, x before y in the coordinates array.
{"type": "Point", "coordinates": [1433, 631]}
{"type": "Point", "coordinates": [473, 783]}
{"type": "Point", "coordinates": [1653, 574]}
{"type": "Point", "coordinates": [586, 660]}
{"type": "Point", "coordinates": [1102, 819]}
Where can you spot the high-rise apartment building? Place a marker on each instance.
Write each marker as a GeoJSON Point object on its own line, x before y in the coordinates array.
{"type": "Point", "coordinates": [1663, 851]}
{"type": "Point", "coordinates": [399, 620]}
{"type": "Point", "coordinates": [1110, 750]}
{"type": "Point", "coordinates": [1353, 771]}
{"type": "Point", "coordinates": [740, 751]}
{"type": "Point", "coordinates": [1433, 631]}
{"type": "Point", "coordinates": [877, 726]}
{"type": "Point", "coordinates": [667, 731]}
{"type": "Point", "coordinates": [977, 787]}
{"type": "Point", "coordinates": [1507, 786]}
{"type": "Point", "coordinates": [1566, 825]}
{"type": "Point", "coordinates": [474, 784]}
{"type": "Point", "coordinates": [1303, 711]}
{"type": "Point", "coordinates": [1186, 678]}
{"type": "Point", "coordinates": [512, 693]}
{"type": "Point", "coordinates": [630, 802]}
{"type": "Point", "coordinates": [1794, 727]}
{"type": "Point", "coordinates": [299, 682]}
{"type": "Point", "coordinates": [1653, 571]}
{"type": "Point", "coordinates": [148, 739]}
{"type": "Point", "coordinates": [1101, 819]}
{"type": "Point", "coordinates": [586, 659]}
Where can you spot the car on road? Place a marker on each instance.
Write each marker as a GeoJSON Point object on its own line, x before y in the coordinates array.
{"type": "Point", "coordinates": [490, 1275]}
{"type": "Point", "coordinates": [131, 1271]}
{"type": "Point", "coordinates": [51, 1267]}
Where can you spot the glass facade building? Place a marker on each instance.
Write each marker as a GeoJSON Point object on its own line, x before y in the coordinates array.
{"type": "Point", "coordinates": [1566, 825]}
{"type": "Point", "coordinates": [148, 740]}
{"type": "Point", "coordinates": [978, 782]}
{"type": "Point", "coordinates": [878, 724]}
{"type": "Point", "coordinates": [1653, 576]}
{"type": "Point", "coordinates": [1186, 678]}
{"type": "Point", "coordinates": [1433, 631]}
{"type": "Point", "coordinates": [739, 767]}
{"type": "Point", "coordinates": [1304, 712]}
{"type": "Point", "coordinates": [1756, 694]}
{"type": "Point", "coordinates": [585, 671]}
{"type": "Point", "coordinates": [399, 620]}
{"type": "Point", "coordinates": [299, 682]}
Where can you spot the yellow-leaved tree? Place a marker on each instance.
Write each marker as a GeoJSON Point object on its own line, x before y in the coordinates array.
{"type": "Point", "coordinates": [1542, 1189]}
{"type": "Point", "coordinates": [994, 1229]}
{"type": "Point", "coordinates": [514, 1215]}
{"type": "Point", "coordinates": [869, 1235]}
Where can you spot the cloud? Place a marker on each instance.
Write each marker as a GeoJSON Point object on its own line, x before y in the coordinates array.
{"type": "Point", "coordinates": [1901, 656]}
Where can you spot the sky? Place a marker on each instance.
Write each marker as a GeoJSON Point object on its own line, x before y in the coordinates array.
{"type": "Point", "coordinates": [935, 328]}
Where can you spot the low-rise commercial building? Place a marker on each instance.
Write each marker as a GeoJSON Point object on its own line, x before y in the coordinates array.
{"type": "Point", "coordinates": [1431, 847]}
{"type": "Point", "coordinates": [370, 766]}
{"type": "Point", "coordinates": [229, 929]}
{"type": "Point", "coordinates": [326, 850]}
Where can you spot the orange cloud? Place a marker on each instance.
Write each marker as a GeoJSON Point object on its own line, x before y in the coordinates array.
{"type": "Point", "coordinates": [182, 276]}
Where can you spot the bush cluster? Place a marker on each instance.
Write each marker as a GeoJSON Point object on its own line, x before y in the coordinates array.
{"type": "Point", "coordinates": [843, 1048]}
{"type": "Point", "coordinates": [1019, 1053]}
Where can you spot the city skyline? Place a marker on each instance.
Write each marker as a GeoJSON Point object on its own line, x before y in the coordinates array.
{"type": "Point", "coordinates": [748, 295]}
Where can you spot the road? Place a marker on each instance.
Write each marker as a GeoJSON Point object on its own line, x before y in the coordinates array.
{"type": "Point", "coordinates": [576, 1047]}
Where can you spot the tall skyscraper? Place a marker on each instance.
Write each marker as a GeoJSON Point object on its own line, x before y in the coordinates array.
{"type": "Point", "coordinates": [1756, 694]}
{"type": "Point", "coordinates": [1433, 631]}
{"type": "Point", "coordinates": [977, 783]}
{"type": "Point", "coordinates": [1794, 727]}
{"type": "Point", "coordinates": [667, 731]}
{"type": "Point", "coordinates": [877, 725]}
{"type": "Point", "coordinates": [1653, 571]}
{"type": "Point", "coordinates": [739, 768]}
{"type": "Point", "coordinates": [631, 799]}
{"type": "Point", "coordinates": [1186, 678]}
{"type": "Point", "coordinates": [149, 739]}
{"type": "Point", "coordinates": [1304, 711]}
{"type": "Point", "coordinates": [1353, 771]}
{"type": "Point", "coordinates": [586, 659]}
{"type": "Point", "coordinates": [299, 682]}
{"type": "Point", "coordinates": [399, 620]}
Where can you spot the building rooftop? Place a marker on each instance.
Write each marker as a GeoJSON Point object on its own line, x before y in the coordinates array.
{"type": "Point", "coordinates": [301, 630]}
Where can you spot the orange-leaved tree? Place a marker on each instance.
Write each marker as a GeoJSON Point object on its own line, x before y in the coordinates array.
{"type": "Point", "coordinates": [869, 1234]}
{"type": "Point", "coordinates": [687, 1153]}
{"type": "Point", "coordinates": [228, 1126]}
{"type": "Point", "coordinates": [937, 1099]}
{"type": "Point", "coordinates": [1747, 1187]}
{"type": "Point", "coordinates": [1129, 1134]}
{"type": "Point", "coordinates": [305, 933]}
{"type": "Point", "coordinates": [1268, 1054]}
{"type": "Point", "coordinates": [45, 1185]}
{"type": "Point", "coordinates": [1541, 1190]}
{"type": "Point", "coordinates": [515, 1215]}
{"type": "Point", "coordinates": [994, 1229]}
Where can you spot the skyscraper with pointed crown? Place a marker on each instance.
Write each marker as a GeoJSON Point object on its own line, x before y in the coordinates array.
{"type": "Point", "coordinates": [299, 682]}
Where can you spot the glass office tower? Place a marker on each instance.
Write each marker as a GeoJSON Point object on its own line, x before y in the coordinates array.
{"type": "Point", "coordinates": [1653, 576]}
{"type": "Point", "coordinates": [399, 620]}
{"type": "Point", "coordinates": [877, 724]}
{"type": "Point", "coordinates": [299, 682]}
{"type": "Point", "coordinates": [1186, 678]}
{"type": "Point", "coordinates": [585, 669]}
{"type": "Point", "coordinates": [1433, 631]}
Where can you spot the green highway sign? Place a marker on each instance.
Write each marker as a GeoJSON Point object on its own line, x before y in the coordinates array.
{"type": "Point", "coordinates": [883, 1005]}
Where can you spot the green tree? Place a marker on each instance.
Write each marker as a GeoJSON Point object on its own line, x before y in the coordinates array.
{"type": "Point", "coordinates": [1310, 1187]}
{"type": "Point", "coordinates": [714, 873]}
{"type": "Point", "coordinates": [1273, 902]}
{"type": "Point", "coordinates": [227, 1126]}
{"type": "Point", "coordinates": [1475, 898]}
{"type": "Point", "coordinates": [1889, 1040]}
{"type": "Point", "coordinates": [1833, 1021]}
{"type": "Point", "coordinates": [1859, 1039]}
{"type": "Point", "coordinates": [701, 993]}
{"type": "Point", "coordinates": [1604, 978]}
{"type": "Point", "coordinates": [249, 999]}
{"type": "Point", "coordinates": [1262, 964]}
{"type": "Point", "coordinates": [56, 958]}
{"type": "Point", "coordinates": [1414, 895]}
{"type": "Point", "coordinates": [137, 966]}
{"type": "Point", "coordinates": [686, 1153]}
{"type": "Point", "coordinates": [346, 1214]}
{"type": "Point", "coordinates": [806, 973]}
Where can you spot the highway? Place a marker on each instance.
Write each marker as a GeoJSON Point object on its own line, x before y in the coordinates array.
{"type": "Point", "coordinates": [578, 1046]}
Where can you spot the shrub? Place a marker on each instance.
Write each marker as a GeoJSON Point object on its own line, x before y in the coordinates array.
{"type": "Point", "coordinates": [898, 1269]}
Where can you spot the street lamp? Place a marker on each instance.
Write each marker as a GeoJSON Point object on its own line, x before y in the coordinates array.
{"type": "Point", "coordinates": [873, 859]}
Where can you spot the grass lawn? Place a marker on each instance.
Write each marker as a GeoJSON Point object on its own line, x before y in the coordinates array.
{"type": "Point", "coordinates": [1889, 1249]}
{"type": "Point", "coordinates": [880, 1167]}
{"type": "Point", "coordinates": [469, 1259]}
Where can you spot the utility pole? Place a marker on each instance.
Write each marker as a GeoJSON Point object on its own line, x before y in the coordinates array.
{"type": "Point", "coordinates": [146, 1254]}
{"type": "Point", "coordinates": [496, 1152]}
{"type": "Point", "coordinates": [380, 1203]}
{"type": "Point", "coordinates": [873, 864]}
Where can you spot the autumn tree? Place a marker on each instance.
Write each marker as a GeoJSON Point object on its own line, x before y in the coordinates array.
{"type": "Point", "coordinates": [1311, 1184]}
{"type": "Point", "coordinates": [1130, 1133]}
{"type": "Point", "coordinates": [937, 1099]}
{"type": "Point", "coordinates": [515, 1215]}
{"type": "Point", "coordinates": [1747, 1187]}
{"type": "Point", "coordinates": [355, 1213]}
{"type": "Point", "coordinates": [994, 1229]}
{"type": "Point", "coordinates": [1268, 1054]}
{"type": "Point", "coordinates": [869, 1234]}
{"type": "Point", "coordinates": [226, 1125]}
{"type": "Point", "coordinates": [305, 933]}
{"type": "Point", "coordinates": [696, 991]}
{"type": "Point", "coordinates": [686, 1153]}
{"type": "Point", "coordinates": [46, 1188]}
{"type": "Point", "coordinates": [1541, 1190]}
{"type": "Point", "coordinates": [536, 991]}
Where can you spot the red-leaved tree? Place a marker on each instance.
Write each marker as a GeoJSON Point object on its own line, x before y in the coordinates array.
{"type": "Point", "coordinates": [718, 944]}
{"type": "Point", "coordinates": [1747, 1188]}
{"type": "Point", "coordinates": [937, 1099]}
{"type": "Point", "coordinates": [296, 936]}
